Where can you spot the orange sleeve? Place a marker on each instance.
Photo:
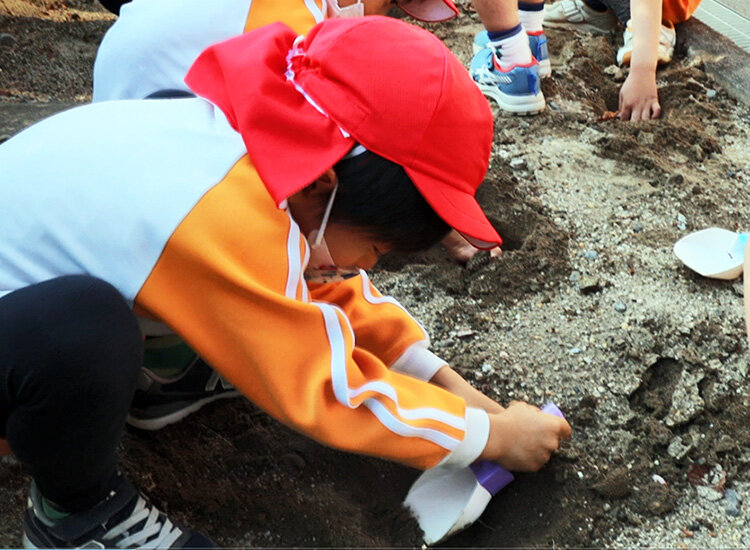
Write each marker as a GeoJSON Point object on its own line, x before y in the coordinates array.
{"type": "Point", "coordinates": [382, 325]}
{"type": "Point", "coordinates": [677, 11]}
{"type": "Point", "coordinates": [293, 13]}
{"type": "Point", "coordinates": [229, 282]}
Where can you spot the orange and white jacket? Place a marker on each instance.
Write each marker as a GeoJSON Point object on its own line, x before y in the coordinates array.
{"type": "Point", "coordinates": [170, 210]}
{"type": "Point", "coordinates": [152, 44]}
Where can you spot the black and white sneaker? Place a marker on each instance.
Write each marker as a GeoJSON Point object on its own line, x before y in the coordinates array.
{"type": "Point", "coordinates": [125, 519]}
{"type": "Point", "coordinates": [160, 401]}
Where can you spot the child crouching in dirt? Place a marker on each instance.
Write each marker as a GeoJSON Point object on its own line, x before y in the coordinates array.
{"type": "Point", "coordinates": [149, 50]}
{"type": "Point", "coordinates": [202, 215]}
{"type": "Point", "coordinates": [648, 41]}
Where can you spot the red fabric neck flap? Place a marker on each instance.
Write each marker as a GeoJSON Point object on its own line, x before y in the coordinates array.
{"type": "Point", "coordinates": [245, 78]}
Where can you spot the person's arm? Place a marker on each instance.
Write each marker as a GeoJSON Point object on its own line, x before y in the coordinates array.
{"type": "Point", "coordinates": [385, 328]}
{"type": "Point", "coordinates": [229, 282]}
{"type": "Point", "coordinates": [449, 379]}
{"type": "Point", "coordinates": [639, 99]}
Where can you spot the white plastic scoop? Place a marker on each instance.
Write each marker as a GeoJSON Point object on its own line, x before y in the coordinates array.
{"type": "Point", "coordinates": [713, 252]}
{"type": "Point", "coordinates": [446, 500]}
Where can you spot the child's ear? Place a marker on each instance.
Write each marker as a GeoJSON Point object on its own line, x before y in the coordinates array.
{"type": "Point", "coordinates": [324, 184]}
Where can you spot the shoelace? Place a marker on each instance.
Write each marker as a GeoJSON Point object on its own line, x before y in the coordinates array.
{"type": "Point", "coordinates": [165, 534]}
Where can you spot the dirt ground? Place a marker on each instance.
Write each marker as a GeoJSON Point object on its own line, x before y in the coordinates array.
{"type": "Point", "coordinates": [588, 307]}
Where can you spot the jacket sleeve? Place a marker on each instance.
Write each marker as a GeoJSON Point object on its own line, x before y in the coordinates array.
{"type": "Point", "coordinates": [229, 281]}
{"type": "Point", "coordinates": [382, 326]}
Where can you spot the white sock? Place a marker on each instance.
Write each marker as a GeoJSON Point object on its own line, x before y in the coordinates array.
{"type": "Point", "coordinates": [531, 20]}
{"type": "Point", "coordinates": [513, 50]}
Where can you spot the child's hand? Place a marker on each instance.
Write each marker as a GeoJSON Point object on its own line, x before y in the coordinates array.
{"type": "Point", "coordinates": [639, 99]}
{"type": "Point", "coordinates": [523, 438]}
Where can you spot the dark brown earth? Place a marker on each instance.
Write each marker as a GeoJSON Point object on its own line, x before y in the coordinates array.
{"type": "Point", "coordinates": [541, 320]}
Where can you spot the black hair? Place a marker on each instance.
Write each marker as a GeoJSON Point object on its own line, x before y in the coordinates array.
{"type": "Point", "coordinates": [377, 197]}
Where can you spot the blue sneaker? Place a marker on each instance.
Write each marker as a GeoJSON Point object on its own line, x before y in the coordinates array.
{"type": "Point", "coordinates": [537, 44]}
{"type": "Point", "coordinates": [515, 90]}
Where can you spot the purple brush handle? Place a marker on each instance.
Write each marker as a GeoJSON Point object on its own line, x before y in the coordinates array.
{"type": "Point", "coordinates": [494, 477]}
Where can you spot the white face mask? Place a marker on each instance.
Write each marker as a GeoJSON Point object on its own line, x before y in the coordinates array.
{"type": "Point", "coordinates": [355, 10]}
{"type": "Point", "coordinates": [321, 268]}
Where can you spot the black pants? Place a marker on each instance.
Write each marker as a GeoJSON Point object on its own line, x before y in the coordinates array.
{"type": "Point", "coordinates": [70, 353]}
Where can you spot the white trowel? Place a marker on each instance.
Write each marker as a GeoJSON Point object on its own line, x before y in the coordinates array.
{"type": "Point", "coordinates": [713, 252]}
{"type": "Point", "coordinates": [446, 500]}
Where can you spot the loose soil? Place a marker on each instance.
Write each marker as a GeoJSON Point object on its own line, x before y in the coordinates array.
{"type": "Point", "coordinates": [587, 307]}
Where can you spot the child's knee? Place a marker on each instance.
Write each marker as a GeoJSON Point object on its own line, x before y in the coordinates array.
{"type": "Point", "coordinates": [75, 326]}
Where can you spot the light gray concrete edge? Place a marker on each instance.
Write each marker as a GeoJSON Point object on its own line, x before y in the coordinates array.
{"type": "Point", "coordinates": [723, 60]}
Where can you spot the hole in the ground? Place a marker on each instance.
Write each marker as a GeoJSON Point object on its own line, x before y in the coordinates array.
{"type": "Point", "coordinates": [654, 395]}
{"type": "Point", "coordinates": [513, 234]}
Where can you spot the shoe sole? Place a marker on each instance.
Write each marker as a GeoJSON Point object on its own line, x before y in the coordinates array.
{"type": "Point", "coordinates": [545, 67]}
{"type": "Point", "coordinates": [26, 542]}
{"type": "Point", "coordinates": [586, 27]}
{"type": "Point", "coordinates": [151, 424]}
{"type": "Point", "coordinates": [526, 105]}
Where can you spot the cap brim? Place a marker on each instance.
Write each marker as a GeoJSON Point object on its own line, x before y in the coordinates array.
{"type": "Point", "coordinates": [431, 11]}
{"type": "Point", "coordinates": [458, 209]}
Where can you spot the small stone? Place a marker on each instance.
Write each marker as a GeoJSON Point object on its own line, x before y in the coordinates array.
{"type": "Point", "coordinates": [637, 227]}
{"type": "Point", "coordinates": [733, 503]}
{"type": "Point", "coordinates": [681, 222]}
{"type": "Point", "coordinates": [620, 307]}
{"type": "Point", "coordinates": [487, 368]}
{"type": "Point", "coordinates": [553, 106]}
{"type": "Point", "coordinates": [574, 276]}
{"type": "Point", "coordinates": [675, 179]}
{"type": "Point", "coordinates": [656, 478]}
{"type": "Point", "coordinates": [615, 72]}
{"type": "Point", "coordinates": [591, 254]}
{"type": "Point", "coordinates": [616, 484]}
{"type": "Point", "coordinates": [710, 94]}
{"type": "Point", "coordinates": [575, 351]}
{"type": "Point", "coordinates": [518, 163]}
{"type": "Point", "coordinates": [589, 285]}
{"type": "Point", "coordinates": [7, 40]}
{"type": "Point", "coordinates": [677, 449]}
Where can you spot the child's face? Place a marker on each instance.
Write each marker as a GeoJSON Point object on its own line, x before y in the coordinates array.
{"type": "Point", "coordinates": [350, 248]}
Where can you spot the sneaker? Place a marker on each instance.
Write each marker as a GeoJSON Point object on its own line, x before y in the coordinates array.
{"type": "Point", "coordinates": [667, 41]}
{"type": "Point", "coordinates": [515, 90]}
{"type": "Point", "coordinates": [125, 519]}
{"type": "Point", "coordinates": [537, 44]}
{"type": "Point", "coordinates": [576, 15]}
{"type": "Point", "coordinates": [160, 401]}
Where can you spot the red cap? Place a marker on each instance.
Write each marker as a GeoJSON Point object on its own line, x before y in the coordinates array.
{"type": "Point", "coordinates": [302, 103]}
{"type": "Point", "coordinates": [429, 10]}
